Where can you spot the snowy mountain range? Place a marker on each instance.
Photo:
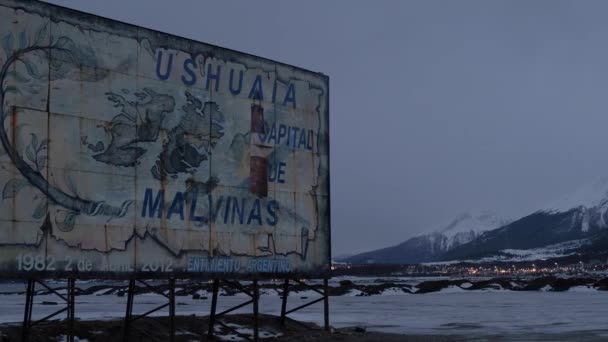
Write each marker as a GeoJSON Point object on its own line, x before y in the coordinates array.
{"type": "Point", "coordinates": [576, 223]}
{"type": "Point", "coordinates": [579, 216]}
{"type": "Point", "coordinates": [431, 246]}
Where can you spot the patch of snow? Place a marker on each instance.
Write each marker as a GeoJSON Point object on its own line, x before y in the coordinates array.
{"type": "Point", "coordinates": [583, 288]}
{"type": "Point", "coordinates": [451, 289]}
{"type": "Point", "coordinates": [269, 334]}
{"type": "Point", "coordinates": [263, 333]}
{"type": "Point", "coordinates": [353, 292]}
{"type": "Point", "coordinates": [490, 289]}
{"type": "Point", "coordinates": [202, 293]}
{"type": "Point", "coordinates": [101, 292]}
{"type": "Point", "coordinates": [466, 285]}
{"type": "Point", "coordinates": [184, 332]}
{"type": "Point", "coordinates": [393, 291]}
{"type": "Point", "coordinates": [229, 337]}
{"type": "Point", "coordinates": [585, 223]}
{"type": "Point", "coordinates": [64, 338]}
{"type": "Point", "coordinates": [546, 288]}
{"type": "Point", "coordinates": [334, 262]}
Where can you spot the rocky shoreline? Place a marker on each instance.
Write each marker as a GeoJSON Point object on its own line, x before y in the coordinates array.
{"type": "Point", "coordinates": [380, 286]}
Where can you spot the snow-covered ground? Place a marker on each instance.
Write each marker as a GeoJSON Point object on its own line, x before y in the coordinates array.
{"type": "Point", "coordinates": [451, 311]}
{"type": "Point", "coordinates": [473, 312]}
{"type": "Point", "coordinates": [543, 253]}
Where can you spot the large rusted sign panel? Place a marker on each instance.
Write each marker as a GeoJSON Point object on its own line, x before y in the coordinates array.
{"type": "Point", "coordinates": [127, 151]}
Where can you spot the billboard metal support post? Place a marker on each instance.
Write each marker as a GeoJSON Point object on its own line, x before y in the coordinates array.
{"type": "Point", "coordinates": [171, 309]}
{"type": "Point", "coordinates": [129, 310]}
{"type": "Point", "coordinates": [27, 313]}
{"type": "Point", "coordinates": [71, 307]}
{"type": "Point", "coordinates": [284, 296]}
{"type": "Point", "coordinates": [130, 318]}
{"type": "Point", "coordinates": [214, 317]}
{"type": "Point", "coordinates": [216, 286]}
{"type": "Point", "coordinates": [256, 298]}
{"type": "Point", "coordinates": [70, 300]}
{"type": "Point", "coordinates": [326, 303]}
{"type": "Point", "coordinates": [325, 299]}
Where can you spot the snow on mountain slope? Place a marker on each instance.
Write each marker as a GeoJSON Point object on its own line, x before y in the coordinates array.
{"type": "Point", "coordinates": [468, 226]}
{"type": "Point", "coordinates": [583, 214]}
{"type": "Point", "coordinates": [590, 195]}
{"type": "Point", "coordinates": [430, 246]}
{"type": "Point", "coordinates": [557, 250]}
{"type": "Point", "coordinates": [590, 202]}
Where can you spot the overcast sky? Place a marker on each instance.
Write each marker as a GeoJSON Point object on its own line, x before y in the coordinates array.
{"type": "Point", "coordinates": [437, 107]}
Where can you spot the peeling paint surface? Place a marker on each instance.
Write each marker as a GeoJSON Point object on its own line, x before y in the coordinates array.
{"type": "Point", "coordinates": [128, 151]}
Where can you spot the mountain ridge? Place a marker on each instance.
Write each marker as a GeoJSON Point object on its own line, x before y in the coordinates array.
{"type": "Point", "coordinates": [429, 246]}
{"type": "Point", "coordinates": [579, 215]}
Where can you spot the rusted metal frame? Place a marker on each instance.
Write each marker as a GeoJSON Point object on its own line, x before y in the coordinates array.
{"type": "Point", "coordinates": [154, 289]}
{"type": "Point", "coordinates": [284, 296]}
{"type": "Point", "coordinates": [256, 298]}
{"type": "Point", "coordinates": [48, 317]}
{"type": "Point", "coordinates": [27, 313]}
{"type": "Point", "coordinates": [325, 299]}
{"type": "Point", "coordinates": [29, 303]}
{"type": "Point", "coordinates": [227, 311]}
{"type": "Point", "coordinates": [52, 290]}
{"type": "Point", "coordinates": [213, 316]}
{"type": "Point", "coordinates": [130, 318]}
{"type": "Point", "coordinates": [71, 308]}
{"type": "Point", "coordinates": [238, 286]}
{"type": "Point", "coordinates": [129, 311]}
{"type": "Point", "coordinates": [216, 283]}
{"type": "Point", "coordinates": [160, 307]}
{"type": "Point", "coordinates": [304, 305]}
{"type": "Point", "coordinates": [171, 309]}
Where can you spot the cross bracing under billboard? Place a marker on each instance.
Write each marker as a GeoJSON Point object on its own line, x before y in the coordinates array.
{"type": "Point", "coordinates": [127, 151]}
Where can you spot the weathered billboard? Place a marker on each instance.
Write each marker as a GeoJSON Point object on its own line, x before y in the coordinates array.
{"type": "Point", "coordinates": [129, 151]}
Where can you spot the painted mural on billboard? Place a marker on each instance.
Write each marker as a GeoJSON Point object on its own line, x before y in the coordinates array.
{"type": "Point", "coordinates": [126, 150]}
